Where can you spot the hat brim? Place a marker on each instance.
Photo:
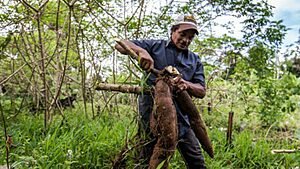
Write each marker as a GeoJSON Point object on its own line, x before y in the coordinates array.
{"type": "Point", "coordinates": [184, 27]}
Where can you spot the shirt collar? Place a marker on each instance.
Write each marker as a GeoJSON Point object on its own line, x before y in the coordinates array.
{"type": "Point", "coordinates": [168, 42]}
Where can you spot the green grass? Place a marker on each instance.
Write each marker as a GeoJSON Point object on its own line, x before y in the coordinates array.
{"type": "Point", "coordinates": [93, 143]}
{"type": "Point", "coordinates": [79, 142]}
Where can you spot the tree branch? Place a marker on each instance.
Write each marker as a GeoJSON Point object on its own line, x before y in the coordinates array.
{"type": "Point", "coordinates": [28, 5]}
{"type": "Point", "coordinates": [122, 88]}
{"type": "Point", "coordinates": [12, 75]}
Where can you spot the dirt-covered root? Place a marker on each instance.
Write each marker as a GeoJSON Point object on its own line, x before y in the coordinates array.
{"type": "Point", "coordinates": [164, 125]}
{"type": "Point", "coordinates": [161, 154]}
{"type": "Point", "coordinates": [187, 106]}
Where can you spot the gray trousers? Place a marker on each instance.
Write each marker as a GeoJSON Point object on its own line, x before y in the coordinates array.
{"type": "Point", "coordinates": [189, 148]}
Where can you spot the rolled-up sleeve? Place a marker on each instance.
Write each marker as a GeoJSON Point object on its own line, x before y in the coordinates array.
{"type": "Point", "coordinates": [199, 74]}
{"type": "Point", "coordinates": [145, 44]}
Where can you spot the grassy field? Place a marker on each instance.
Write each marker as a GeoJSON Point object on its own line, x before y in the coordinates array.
{"type": "Point", "coordinates": [79, 142]}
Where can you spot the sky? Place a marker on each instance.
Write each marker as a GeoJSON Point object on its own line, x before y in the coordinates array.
{"type": "Point", "coordinates": [289, 12]}
{"type": "Point", "coordinates": [286, 10]}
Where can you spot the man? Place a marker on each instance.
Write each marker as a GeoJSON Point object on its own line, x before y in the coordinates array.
{"type": "Point", "coordinates": [159, 54]}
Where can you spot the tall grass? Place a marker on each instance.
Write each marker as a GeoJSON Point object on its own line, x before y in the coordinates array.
{"type": "Point", "coordinates": [93, 143]}
{"type": "Point", "coordinates": [79, 142]}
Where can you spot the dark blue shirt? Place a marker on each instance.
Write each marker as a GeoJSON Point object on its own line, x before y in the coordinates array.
{"type": "Point", "coordinates": [164, 53]}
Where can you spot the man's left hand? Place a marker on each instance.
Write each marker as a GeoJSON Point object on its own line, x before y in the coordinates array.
{"type": "Point", "coordinates": [181, 84]}
{"type": "Point", "coordinates": [194, 89]}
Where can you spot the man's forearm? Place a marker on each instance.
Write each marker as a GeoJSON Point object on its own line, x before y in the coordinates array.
{"type": "Point", "coordinates": [196, 89]}
{"type": "Point", "coordinates": [145, 60]}
{"type": "Point", "coordinates": [131, 45]}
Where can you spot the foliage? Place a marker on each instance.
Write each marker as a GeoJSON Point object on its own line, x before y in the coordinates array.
{"type": "Point", "coordinates": [84, 143]}
{"type": "Point", "coordinates": [67, 48]}
{"type": "Point", "coordinates": [77, 142]}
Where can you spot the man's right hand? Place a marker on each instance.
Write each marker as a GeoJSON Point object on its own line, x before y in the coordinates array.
{"type": "Point", "coordinates": [145, 60]}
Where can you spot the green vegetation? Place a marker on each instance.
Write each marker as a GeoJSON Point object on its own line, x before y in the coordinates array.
{"type": "Point", "coordinates": [94, 143]}
{"type": "Point", "coordinates": [51, 50]}
{"type": "Point", "coordinates": [78, 142]}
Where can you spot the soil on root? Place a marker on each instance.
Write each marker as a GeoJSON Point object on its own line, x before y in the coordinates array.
{"type": "Point", "coordinates": [187, 106]}
{"type": "Point", "coordinates": [163, 124]}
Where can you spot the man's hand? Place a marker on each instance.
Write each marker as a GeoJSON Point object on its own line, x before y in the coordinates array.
{"type": "Point", "coordinates": [194, 89]}
{"type": "Point", "coordinates": [145, 60]}
{"type": "Point", "coordinates": [180, 83]}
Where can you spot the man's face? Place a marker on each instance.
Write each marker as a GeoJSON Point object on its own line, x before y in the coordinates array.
{"type": "Point", "coordinates": [182, 39]}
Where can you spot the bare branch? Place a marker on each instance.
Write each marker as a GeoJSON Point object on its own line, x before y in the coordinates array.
{"type": "Point", "coordinates": [121, 88]}
{"type": "Point", "coordinates": [12, 75]}
{"type": "Point", "coordinates": [65, 60]}
{"type": "Point", "coordinates": [5, 134]}
{"type": "Point", "coordinates": [109, 13]}
{"type": "Point", "coordinates": [140, 6]}
{"type": "Point", "coordinates": [160, 17]}
{"type": "Point", "coordinates": [139, 19]}
{"type": "Point", "coordinates": [28, 5]}
{"type": "Point", "coordinates": [42, 6]}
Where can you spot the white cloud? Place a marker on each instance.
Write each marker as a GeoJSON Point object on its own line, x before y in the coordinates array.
{"type": "Point", "coordinates": [289, 12]}
{"type": "Point", "coordinates": [235, 29]}
{"type": "Point", "coordinates": [281, 5]}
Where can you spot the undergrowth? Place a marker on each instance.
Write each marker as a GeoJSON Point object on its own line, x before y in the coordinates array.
{"type": "Point", "coordinates": [78, 142]}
